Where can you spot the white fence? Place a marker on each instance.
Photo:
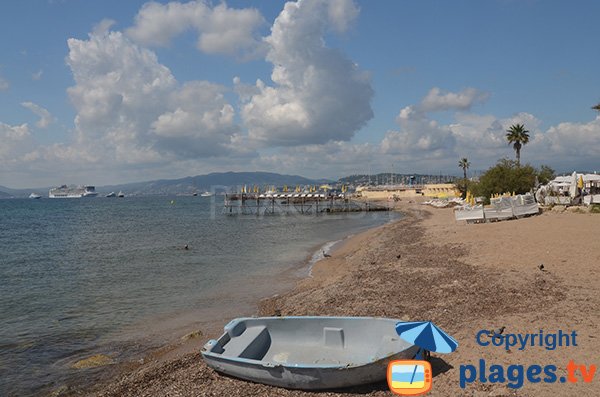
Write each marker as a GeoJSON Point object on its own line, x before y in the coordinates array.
{"type": "Point", "coordinates": [558, 200]}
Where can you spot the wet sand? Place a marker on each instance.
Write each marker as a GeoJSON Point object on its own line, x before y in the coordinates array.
{"type": "Point", "coordinates": [426, 266]}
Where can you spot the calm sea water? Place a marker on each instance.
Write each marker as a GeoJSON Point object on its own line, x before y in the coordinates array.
{"type": "Point", "coordinates": [107, 275]}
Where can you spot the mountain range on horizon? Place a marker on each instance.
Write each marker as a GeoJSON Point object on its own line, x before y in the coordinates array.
{"type": "Point", "coordinates": [216, 181]}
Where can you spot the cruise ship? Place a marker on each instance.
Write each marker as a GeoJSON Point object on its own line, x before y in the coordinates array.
{"type": "Point", "coordinates": [65, 191]}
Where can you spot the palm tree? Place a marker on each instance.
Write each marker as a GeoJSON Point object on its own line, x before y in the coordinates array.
{"type": "Point", "coordinates": [464, 164]}
{"type": "Point", "coordinates": [597, 107]}
{"type": "Point", "coordinates": [518, 136]}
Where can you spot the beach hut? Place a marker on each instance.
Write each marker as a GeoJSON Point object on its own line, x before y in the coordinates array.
{"type": "Point", "coordinates": [561, 190]}
{"type": "Point", "coordinates": [591, 189]}
{"type": "Point", "coordinates": [571, 189]}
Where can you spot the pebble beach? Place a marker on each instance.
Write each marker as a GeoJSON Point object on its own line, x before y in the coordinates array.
{"type": "Point", "coordinates": [425, 266]}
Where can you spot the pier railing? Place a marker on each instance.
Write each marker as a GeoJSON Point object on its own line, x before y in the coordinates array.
{"type": "Point", "coordinates": [295, 203]}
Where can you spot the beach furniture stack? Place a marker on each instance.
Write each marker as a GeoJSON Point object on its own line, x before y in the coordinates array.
{"type": "Point", "coordinates": [501, 208]}
{"type": "Point", "coordinates": [470, 213]}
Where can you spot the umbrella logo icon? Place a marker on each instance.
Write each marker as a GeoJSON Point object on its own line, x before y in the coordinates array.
{"type": "Point", "coordinates": [427, 336]}
{"type": "Point", "coordinates": [414, 377]}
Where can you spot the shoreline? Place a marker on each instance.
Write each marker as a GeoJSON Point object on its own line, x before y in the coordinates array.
{"type": "Point", "coordinates": [177, 344]}
{"type": "Point", "coordinates": [191, 343]}
{"type": "Point", "coordinates": [319, 254]}
{"type": "Point", "coordinates": [426, 266]}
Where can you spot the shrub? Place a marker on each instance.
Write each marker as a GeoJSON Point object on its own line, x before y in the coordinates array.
{"type": "Point", "coordinates": [506, 176]}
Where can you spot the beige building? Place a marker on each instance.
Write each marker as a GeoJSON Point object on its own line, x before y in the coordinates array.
{"type": "Point", "coordinates": [440, 190]}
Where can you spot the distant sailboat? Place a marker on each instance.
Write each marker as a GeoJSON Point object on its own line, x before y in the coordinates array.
{"type": "Point", "coordinates": [121, 194]}
{"type": "Point", "coordinates": [34, 196]}
{"type": "Point", "coordinates": [111, 194]}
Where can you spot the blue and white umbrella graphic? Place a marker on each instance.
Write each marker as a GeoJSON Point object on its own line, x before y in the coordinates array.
{"type": "Point", "coordinates": [427, 336]}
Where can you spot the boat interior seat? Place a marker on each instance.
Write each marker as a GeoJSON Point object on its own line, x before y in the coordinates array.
{"type": "Point", "coordinates": [253, 343]}
{"type": "Point", "coordinates": [333, 337]}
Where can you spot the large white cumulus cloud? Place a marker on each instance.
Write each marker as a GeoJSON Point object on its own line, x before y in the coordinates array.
{"type": "Point", "coordinates": [574, 140]}
{"type": "Point", "coordinates": [423, 138]}
{"type": "Point", "coordinates": [424, 143]}
{"type": "Point", "coordinates": [131, 109]}
{"type": "Point", "coordinates": [221, 30]}
{"type": "Point", "coordinates": [135, 120]}
{"type": "Point", "coordinates": [318, 94]}
{"type": "Point", "coordinates": [437, 100]}
{"type": "Point", "coordinates": [419, 137]}
{"type": "Point", "coordinates": [200, 124]}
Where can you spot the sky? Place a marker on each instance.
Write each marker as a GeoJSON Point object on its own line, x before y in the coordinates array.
{"type": "Point", "coordinates": [115, 91]}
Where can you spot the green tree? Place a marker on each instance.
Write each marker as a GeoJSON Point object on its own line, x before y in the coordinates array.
{"type": "Point", "coordinates": [505, 176]}
{"type": "Point", "coordinates": [597, 107]}
{"type": "Point", "coordinates": [545, 174]}
{"type": "Point", "coordinates": [518, 136]}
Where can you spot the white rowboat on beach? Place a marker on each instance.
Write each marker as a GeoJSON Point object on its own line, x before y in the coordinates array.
{"type": "Point", "coordinates": [308, 353]}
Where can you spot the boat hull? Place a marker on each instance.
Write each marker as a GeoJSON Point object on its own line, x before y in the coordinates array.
{"type": "Point", "coordinates": [308, 353]}
{"type": "Point", "coordinates": [72, 195]}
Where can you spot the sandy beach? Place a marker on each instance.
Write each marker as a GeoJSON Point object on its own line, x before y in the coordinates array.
{"type": "Point", "coordinates": [464, 278]}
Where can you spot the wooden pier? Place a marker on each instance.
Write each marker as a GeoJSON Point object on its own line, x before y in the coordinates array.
{"type": "Point", "coordinates": [294, 203]}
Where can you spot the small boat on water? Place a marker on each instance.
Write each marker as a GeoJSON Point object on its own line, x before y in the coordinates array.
{"type": "Point", "coordinates": [121, 194]}
{"type": "Point", "coordinates": [35, 196]}
{"type": "Point", "coordinates": [308, 353]}
{"type": "Point", "coordinates": [111, 194]}
{"type": "Point", "coordinates": [206, 194]}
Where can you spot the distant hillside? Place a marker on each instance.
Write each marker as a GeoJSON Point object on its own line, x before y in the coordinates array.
{"type": "Point", "coordinates": [6, 192]}
{"type": "Point", "coordinates": [217, 181]}
{"type": "Point", "coordinates": [226, 181]}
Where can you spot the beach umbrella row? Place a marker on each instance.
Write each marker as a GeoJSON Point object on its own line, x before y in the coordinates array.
{"type": "Point", "coordinates": [298, 189]}
{"type": "Point", "coordinates": [507, 194]}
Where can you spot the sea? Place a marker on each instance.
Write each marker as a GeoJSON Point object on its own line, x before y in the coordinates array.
{"type": "Point", "coordinates": [112, 276]}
